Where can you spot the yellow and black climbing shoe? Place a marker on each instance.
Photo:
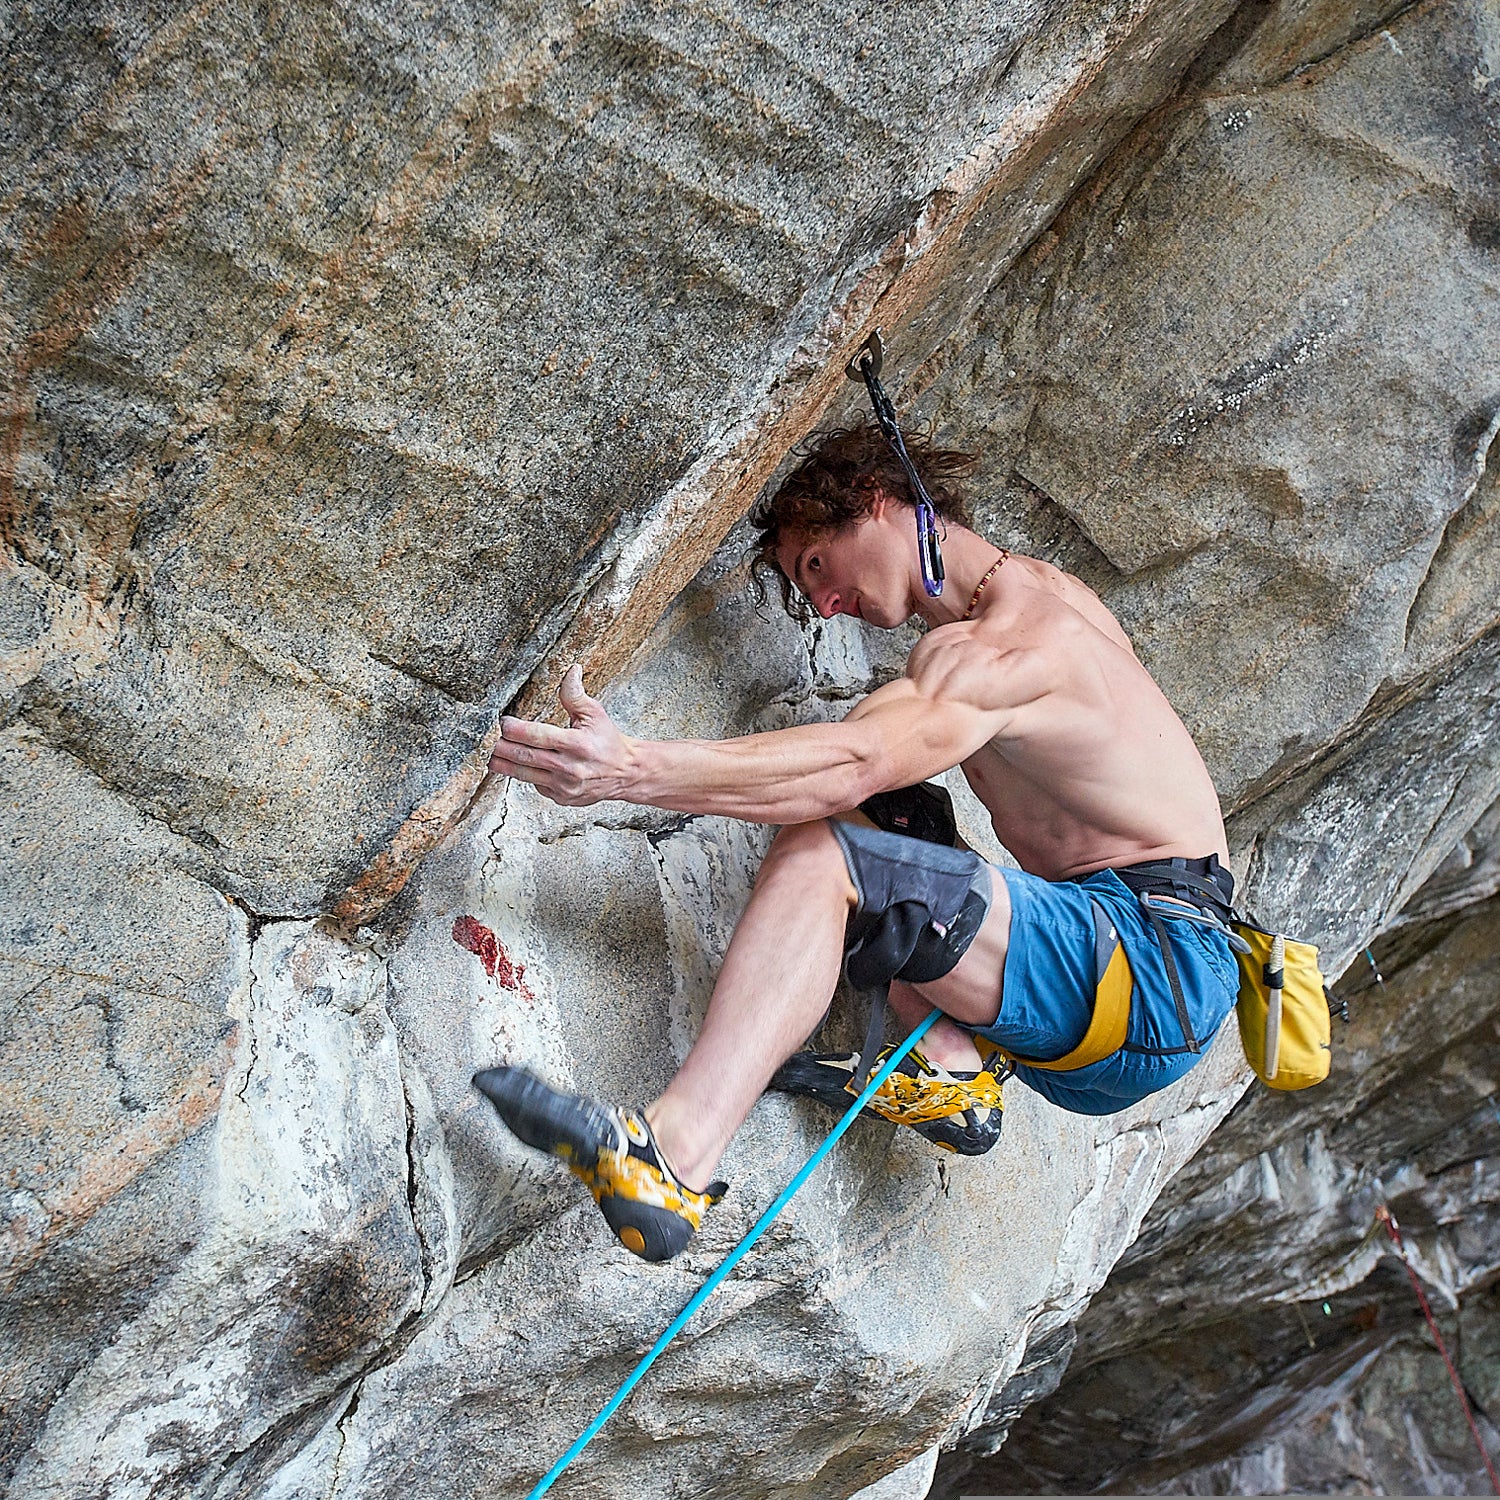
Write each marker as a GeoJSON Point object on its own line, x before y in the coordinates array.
{"type": "Point", "coordinates": [957, 1111]}
{"type": "Point", "coordinates": [611, 1151]}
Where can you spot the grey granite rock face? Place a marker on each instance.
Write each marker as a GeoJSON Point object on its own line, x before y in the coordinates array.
{"type": "Point", "coordinates": [1249, 382]}
{"type": "Point", "coordinates": [1391, 1424]}
{"type": "Point", "coordinates": [367, 367]}
{"type": "Point", "coordinates": [353, 348]}
{"type": "Point", "coordinates": [1198, 383]}
{"type": "Point", "coordinates": [350, 350]}
{"type": "Point", "coordinates": [119, 975]}
{"type": "Point", "coordinates": [307, 1264]}
{"type": "Point", "coordinates": [1470, 873]}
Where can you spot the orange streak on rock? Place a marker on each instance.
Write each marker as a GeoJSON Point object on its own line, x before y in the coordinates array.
{"type": "Point", "coordinates": [101, 1175]}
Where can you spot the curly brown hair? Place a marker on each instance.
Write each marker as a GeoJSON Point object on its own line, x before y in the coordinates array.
{"type": "Point", "coordinates": [841, 474]}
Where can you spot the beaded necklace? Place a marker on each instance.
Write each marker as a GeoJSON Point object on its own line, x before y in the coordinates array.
{"type": "Point", "coordinates": [994, 568]}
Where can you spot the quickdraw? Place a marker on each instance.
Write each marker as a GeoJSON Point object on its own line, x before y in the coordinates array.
{"type": "Point", "coordinates": [865, 366]}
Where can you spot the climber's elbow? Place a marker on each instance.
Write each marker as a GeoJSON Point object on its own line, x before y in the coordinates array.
{"type": "Point", "coordinates": [867, 768]}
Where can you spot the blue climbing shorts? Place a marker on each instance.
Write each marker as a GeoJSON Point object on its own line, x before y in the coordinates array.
{"type": "Point", "coordinates": [1047, 996]}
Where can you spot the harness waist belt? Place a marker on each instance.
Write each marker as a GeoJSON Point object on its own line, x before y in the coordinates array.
{"type": "Point", "coordinates": [1205, 883]}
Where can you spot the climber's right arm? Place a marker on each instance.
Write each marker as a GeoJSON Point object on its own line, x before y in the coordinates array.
{"type": "Point", "coordinates": [916, 727]}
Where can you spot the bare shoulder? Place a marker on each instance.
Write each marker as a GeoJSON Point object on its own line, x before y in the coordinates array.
{"type": "Point", "coordinates": [1043, 632]}
{"type": "Point", "coordinates": [1076, 595]}
{"type": "Point", "coordinates": [965, 662]}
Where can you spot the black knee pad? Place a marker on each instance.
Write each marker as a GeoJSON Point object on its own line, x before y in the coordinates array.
{"type": "Point", "coordinates": [919, 906]}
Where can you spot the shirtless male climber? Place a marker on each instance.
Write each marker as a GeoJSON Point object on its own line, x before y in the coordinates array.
{"type": "Point", "coordinates": [1026, 681]}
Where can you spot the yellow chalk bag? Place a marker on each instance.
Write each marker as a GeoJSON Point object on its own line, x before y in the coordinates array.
{"type": "Point", "coordinates": [1283, 1010]}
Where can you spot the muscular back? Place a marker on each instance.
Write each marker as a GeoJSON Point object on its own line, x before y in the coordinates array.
{"type": "Point", "coordinates": [1093, 767]}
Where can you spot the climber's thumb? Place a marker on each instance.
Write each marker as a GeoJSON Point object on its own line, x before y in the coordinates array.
{"type": "Point", "coordinates": [577, 703]}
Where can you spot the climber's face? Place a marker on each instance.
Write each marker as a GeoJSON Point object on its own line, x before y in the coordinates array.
{"type": "Point", "coordinates": [864, 569]}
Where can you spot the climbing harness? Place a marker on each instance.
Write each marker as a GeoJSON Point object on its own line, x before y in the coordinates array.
{"type": "Point", "coordinates": [734, 1257]}
{"type": "Point", "coordinates": [1162, 887]}
{"type": "Point", "coordinates": [1386, 1217]}
{"type": "Point", "coordinates": [865, 366]}
{"type": "Point", "coordinates": [1284, 1008]}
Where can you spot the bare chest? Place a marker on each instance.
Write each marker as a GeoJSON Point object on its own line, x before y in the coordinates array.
{"type": "Point", "coordinates": [1027, 816]}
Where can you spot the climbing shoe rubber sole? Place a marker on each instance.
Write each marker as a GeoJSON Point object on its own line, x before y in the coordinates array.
{"type": "Point", "coordinates": [611, 1151]}
{"type": "Point", "coordinates": [960, 1112]}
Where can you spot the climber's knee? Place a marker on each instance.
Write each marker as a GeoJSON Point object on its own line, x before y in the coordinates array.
{"type": "Point", "coordinates": [918, 905]}
{"type": "Point", "coordinates": [810, 855]}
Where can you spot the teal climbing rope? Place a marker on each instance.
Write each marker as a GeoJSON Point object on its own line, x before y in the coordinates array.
{"type": "Point", "coordinates": [734, 1257]}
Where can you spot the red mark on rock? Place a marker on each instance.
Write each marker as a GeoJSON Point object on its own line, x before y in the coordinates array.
{"type": "Point", "coordinates": [511, 976]}
{"type": "Point", "coordinates": [471, 933]}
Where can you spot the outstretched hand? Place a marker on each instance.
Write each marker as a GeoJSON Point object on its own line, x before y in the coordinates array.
{"type": "Point", "coordinates": [587, 762]}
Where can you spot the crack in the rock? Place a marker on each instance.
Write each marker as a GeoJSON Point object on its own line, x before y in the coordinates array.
{"type": "Point", "coordinates": [656, 837]}
{"type": "Point", "coordinates": [17, 1000]}
{"type": "Point", "coordinates": [655, 824]}
{"type": "Point", "coordinates": [256, 922]}
{"type": "Point", "coordinates": [418, 677]}
{"type": "Point", "coordinates": [1484, 433]}
{"type": "Point", "coordinates": [1243, 26]}
{"type": "Point", "coordinates": [502, 814]}
{"type": "Point", "coordinates": [392, 1346]}
{"type": "Point", "coordinates": [831, 693]}
{"type": "Point", "coordinates": [425, 1258]}
{"type": "Point", "coordinates": [338, 1458]}
{"type": "Point", "coordinates": [1227, 42]}
{"type": "Point", "coordinates": [271, 1444]}
{"type": "Point", "coordinates": [1429, 842]}
{"type": "Point", "coordinates": [250, 1034]}
{"type": "Point", "coordinates": [812, 638]}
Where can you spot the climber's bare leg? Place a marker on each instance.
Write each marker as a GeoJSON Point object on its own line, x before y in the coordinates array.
{"type": "Point", "coordinates": [778, 975]}
{"type": "Point", "coordinates": [970, 992]}
{"type": "Point", "coordinates": [947, 1045]}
